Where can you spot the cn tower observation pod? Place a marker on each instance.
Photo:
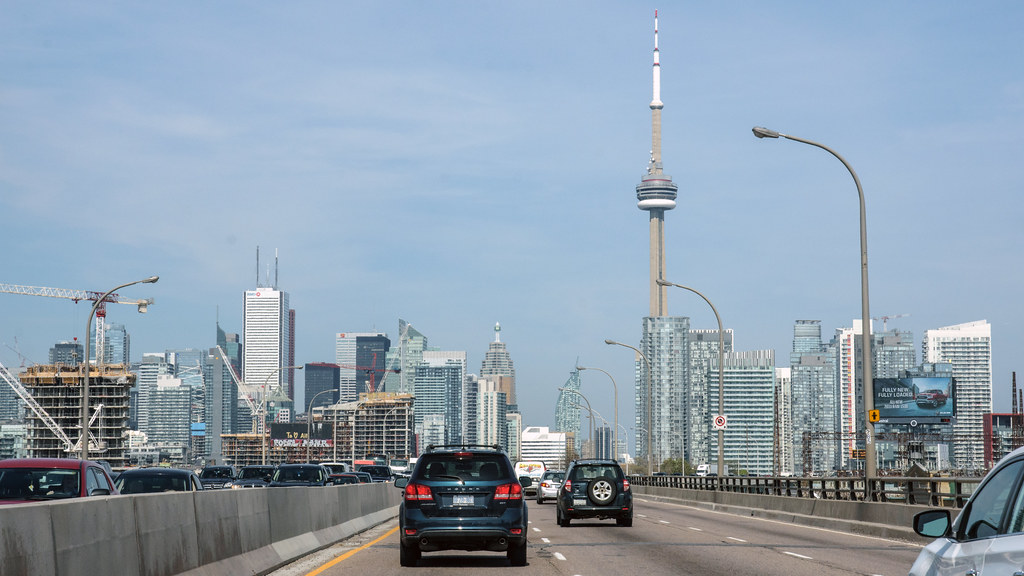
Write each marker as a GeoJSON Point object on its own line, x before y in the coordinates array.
{"type": "Point", "coordinates": [656, 192]}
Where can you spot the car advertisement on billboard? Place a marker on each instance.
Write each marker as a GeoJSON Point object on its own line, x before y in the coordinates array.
{"type": "Point", "coordinates": [924, 399]}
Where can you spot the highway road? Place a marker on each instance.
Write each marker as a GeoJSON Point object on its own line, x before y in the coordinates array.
{"type": "Point", "coordinates": [664, 539]}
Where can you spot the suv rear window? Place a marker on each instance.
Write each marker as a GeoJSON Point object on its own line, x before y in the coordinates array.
{"type": "Point", "coordinates": [592, 471]}
{"type": "Point", "coordinates": [482, 466]}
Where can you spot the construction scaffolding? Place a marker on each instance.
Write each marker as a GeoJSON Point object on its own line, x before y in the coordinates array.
{"type": "Point", "coordinates": [57, 389]}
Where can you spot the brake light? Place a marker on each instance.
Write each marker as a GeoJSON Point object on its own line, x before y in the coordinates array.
{"type": "Point", "coordinates": [625, 484]}
{"type": "Point", "coordinates": [567, 485]}
{"type": "Point", "coordinates": [513, 491]}
{"type": "Point", "coordinates": [418, 492]}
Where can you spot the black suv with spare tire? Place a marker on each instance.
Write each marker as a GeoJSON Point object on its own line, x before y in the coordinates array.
{"type": "Point", "coordinates": [595, 489]}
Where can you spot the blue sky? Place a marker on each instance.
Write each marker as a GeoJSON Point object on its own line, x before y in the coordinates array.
{"type": "Point", "coordinates": [457, 164]}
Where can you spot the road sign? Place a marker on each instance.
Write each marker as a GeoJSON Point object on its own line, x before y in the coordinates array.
{"type": "Point", "coordinates": [719, 423]}
{"type": "Point", "coordinates": [873, 416]}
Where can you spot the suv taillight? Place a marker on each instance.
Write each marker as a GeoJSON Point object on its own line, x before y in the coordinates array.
{"type": "Point", "coordinates": [418, 492]}
{"type": "Point", "coordinates": [625, 484]}
{"type": "Point", "coordinates": [567, 486]}
{"type": "Point", "coordinates": [513, 491]}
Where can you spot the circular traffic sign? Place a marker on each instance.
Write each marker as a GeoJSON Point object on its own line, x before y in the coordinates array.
{"type": "Point", "coordinates": [719, 421]}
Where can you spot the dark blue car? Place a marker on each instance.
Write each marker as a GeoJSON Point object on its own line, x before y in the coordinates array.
{"type": "Point", "coordinates": [462, 498]}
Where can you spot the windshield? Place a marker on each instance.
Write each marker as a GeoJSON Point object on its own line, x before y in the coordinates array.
{"type": "Point", "coordinates": [248, 473]}
{"type": "Point", "coordinates": [147, 483]}
{"type": "Point", "coordinates": [38, 484]}
{"type": "Point", "coordinates": [216, 473]}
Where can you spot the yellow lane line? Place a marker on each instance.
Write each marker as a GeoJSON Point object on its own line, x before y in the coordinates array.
{"type": "Point", "coordinates": [349, 554]}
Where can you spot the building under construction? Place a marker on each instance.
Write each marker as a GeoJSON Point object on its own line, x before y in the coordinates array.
{"type": "Point", "coordinates": [57, 389]}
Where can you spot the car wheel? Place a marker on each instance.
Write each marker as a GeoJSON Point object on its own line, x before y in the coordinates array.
{"type": "Point", "coordinates": [408, 555]}
{"type": "Point", "coordinates": [601, 491]}
{"type": "Point", "coordinates": [517, 554]}
{"type": "Point", "coordinates": [540, 500]}
{"type": "Point", "coordinates": [627, 522]}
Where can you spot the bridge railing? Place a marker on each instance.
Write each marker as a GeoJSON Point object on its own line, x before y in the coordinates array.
{"type": "Point", "coordinates": [935, 491]}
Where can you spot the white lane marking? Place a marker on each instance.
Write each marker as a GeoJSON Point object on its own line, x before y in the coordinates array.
{"type": "Point", "coordinates": [798, 555]}
{"type": "Point", "coordinates": [664, 521]}
{"type": "Point", "coordinates": [535, 529]}
{"type": "Point", "coordinates": [737, 539]}
{"type": "Point", "coordinates": [545, 540]}
{"type": "Point", "coordinates": [697, 529]}
{"type": "Point", "coordinates": [642, 515]}
{"type": "Point", "coordinates": [558, 555]}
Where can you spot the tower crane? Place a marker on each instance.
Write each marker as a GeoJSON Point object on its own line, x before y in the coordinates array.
{"type": "Point", "coordinates": [885, 319]}
{"type": "Point", "coordinates": [371, 371]}
{"type": "Point", "coordinates": [77, 296]}
{"type": "Point", "coordinates": [246, 392]}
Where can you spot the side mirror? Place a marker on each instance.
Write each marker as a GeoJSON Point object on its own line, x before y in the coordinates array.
{"type": "Point", "coordinates": [526, 481]}
{"type": "Point", "coordinates": [932, 523]}
{"type": "Point", "coordinates": [401, 482]}
{"type": "Point", "coordinates": [99, 492]}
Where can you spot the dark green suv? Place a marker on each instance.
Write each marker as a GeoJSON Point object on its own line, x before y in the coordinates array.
{"type": "Point", "coordinates": [595, 489]}
{"type": "Point", "coordinates": [463, 497]}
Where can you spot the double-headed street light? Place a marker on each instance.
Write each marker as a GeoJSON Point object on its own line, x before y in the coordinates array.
{"type": "Point", "coordinates": [650, 453]}
{"type": "Point", "coordinates": [263, 408]}
{"type": "Point", "coordinates": [309, 417]}
{"type": "Point", "coordinates": [721, 371]}
{"type": "Point", "coordinates": [86, 366]}
{"type": "Point", "coordinates": [615, 387]}
{"type": "Point", "coordinates": [869, 386]}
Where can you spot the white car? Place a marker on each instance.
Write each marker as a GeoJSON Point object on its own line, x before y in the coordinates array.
{"type": "Point", "coordinates": [550, 482]}
{"type": "Point", "coordinates": [988, 534]}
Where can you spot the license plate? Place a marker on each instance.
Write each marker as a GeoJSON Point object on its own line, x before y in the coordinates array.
{"type": "Point", "coordinates": [462, 500]}
{"type": "Point", "coordinates": [579, 501]}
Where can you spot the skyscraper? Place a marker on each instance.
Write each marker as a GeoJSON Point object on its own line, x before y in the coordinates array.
{"type": "Point", "coordinates": [968, 347]}
{"type": "Point", "coordinates": [813, 403]}
{"type": "Point", "coordinates": [497, 366]}
{"type": "Point", "coordinates": [403, 359]}
{"type": "Point", "coordinates": [567, 411]}
{"type": "Point", "coordinates": [439, 392]}
{"type": "Point", "coordinates": [361, 357]}
{"type": "Point", "coordinates": [116, 345]}
{"type": "Point", "coordinates": [66, 353]}
{"type": "Point", "coordinates": [749, 402]}
{"type": "Point", "coordinates": [321, 385]}
{"type": "Point", "coordinates": [265, 340]}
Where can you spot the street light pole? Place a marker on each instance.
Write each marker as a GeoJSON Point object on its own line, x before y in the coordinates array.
{"type": "Point", "coordinates": [309, 417]}
{"type": "Point", "coordinates": [86, 366]}
{"type": "Point", "coordinates": [721, 371]}
{"type": "Point", "coordinates": [263, 408]}
{"type": "Point", "coordinates": [615, 387]}
{"type": "Point", "coordinates": [870, 466]}
{"type": "Point", "coordinates": [650, 453]}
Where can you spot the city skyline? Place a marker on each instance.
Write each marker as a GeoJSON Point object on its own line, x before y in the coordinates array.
{"type": "Point", "coordinates": [487, 174]}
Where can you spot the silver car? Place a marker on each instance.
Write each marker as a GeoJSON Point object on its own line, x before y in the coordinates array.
{"type": "Point", "coordinates": [988, 534]}
{"type": "Point", "coordinates": [549, 484]}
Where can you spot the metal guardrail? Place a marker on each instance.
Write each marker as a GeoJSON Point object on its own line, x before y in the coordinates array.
{"type": "Point", "coordinates": [935, 492]}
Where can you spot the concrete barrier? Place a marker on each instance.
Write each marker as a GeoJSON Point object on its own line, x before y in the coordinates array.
{"type": "Point", "coordinates": [215, 532]}
{"type": "Point", "coordinates": [885, 520]}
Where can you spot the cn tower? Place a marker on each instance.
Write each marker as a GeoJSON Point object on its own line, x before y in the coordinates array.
{"type": "Point", "coordinates": [656, 192]}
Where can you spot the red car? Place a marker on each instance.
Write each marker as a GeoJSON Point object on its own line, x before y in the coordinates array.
{"type": "Point", "coordinates": [43, 479]}
{"type": "Point", "coordinates": [931, 398]}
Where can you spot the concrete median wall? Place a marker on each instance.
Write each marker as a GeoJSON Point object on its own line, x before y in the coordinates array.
{"type": "Point", "coordinates": [214, 532]}
{"type": "Point", "coordinates": [885, 520]}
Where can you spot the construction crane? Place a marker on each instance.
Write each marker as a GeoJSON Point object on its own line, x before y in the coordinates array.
{"type": "Point", "coordinates": [371, 386]}
{"type": "Point", "coordinates": [246, 392]}
{"type": "Point", "coordinates": [77, 296]}
{"type": "Point", "coordinates": [885, 320]}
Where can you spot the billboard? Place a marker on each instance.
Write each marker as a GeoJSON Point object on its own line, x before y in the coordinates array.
{"type": "Point", "coordinates": [923, 399]}
{"type": "Point", "coordinates": [318, 435]}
